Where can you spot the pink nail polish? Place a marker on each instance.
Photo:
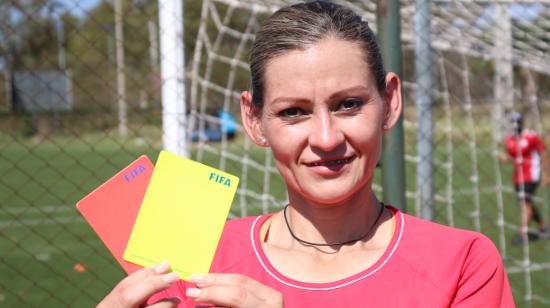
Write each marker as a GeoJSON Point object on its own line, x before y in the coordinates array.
{"type": "Point", "coordinates": [171, 277]}
{"type": "Point", "coordinates": [162, 268]}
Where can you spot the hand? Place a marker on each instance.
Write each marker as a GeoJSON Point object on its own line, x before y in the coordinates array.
{"type": "Point", "coordinates": [134, 290]}
{"type": "Point", "coordinates": [233, 290]}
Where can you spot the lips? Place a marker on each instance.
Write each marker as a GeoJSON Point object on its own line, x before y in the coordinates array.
{"type": "Point", "coordinates": [331, 162]}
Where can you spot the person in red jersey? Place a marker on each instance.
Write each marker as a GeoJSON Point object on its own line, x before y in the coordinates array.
{"type": "Point", "coordinates": [528, 152]}
{"type": "Point", "coordinates": [321, 101]}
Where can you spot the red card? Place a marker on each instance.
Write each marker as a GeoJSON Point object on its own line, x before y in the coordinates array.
{"type": "Point", "coordinates": [112, 208]}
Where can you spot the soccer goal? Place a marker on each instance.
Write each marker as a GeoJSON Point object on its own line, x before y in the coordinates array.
{"type": "Point", "coordinates": [487, 59]}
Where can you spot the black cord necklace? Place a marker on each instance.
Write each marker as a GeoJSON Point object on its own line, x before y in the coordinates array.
{"type": "Point", "coordinates": [333, 244]}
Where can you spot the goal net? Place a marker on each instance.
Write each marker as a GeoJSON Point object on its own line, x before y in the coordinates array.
{"type": "Point", "coordinates": [488, 58]}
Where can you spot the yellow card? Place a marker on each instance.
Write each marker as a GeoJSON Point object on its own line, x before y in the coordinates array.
{"type": "Point", "coordinates": [182, 215]}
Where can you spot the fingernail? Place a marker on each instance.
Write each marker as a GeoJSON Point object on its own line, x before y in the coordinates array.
{"type": "Point", "coordinates": [197, 279]}
{"type": "Point", "coordinates": [171, 277]}
{"type": "Point", "coordinates": [162, 267]}
{"type": "Point", "coordinates": [193, 292]}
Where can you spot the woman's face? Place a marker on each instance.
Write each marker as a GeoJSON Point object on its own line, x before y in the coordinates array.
{"type": "Point", "coordinates": [323, 118]}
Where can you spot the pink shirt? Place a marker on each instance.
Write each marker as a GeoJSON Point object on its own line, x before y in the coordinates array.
{"type": "Point", "coordinates": [425, 265]}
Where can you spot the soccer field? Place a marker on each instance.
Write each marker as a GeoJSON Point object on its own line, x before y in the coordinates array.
{"type": "Point", "coordinates": [42, 236]}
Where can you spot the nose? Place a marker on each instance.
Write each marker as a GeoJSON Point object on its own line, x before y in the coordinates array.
{"type": "Point", "coordinates": [325, 135]}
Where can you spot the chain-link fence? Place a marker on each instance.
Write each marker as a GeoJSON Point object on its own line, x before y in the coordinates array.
{"type": "Point", "coordinates": [81, 98]}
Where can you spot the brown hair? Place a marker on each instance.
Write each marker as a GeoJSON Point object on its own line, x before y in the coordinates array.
{"type": "Point", "coordinates": [301, 25]}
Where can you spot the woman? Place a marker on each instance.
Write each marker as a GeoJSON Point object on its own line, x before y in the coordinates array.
{"type": "Point", "coordinates": [321, 101]}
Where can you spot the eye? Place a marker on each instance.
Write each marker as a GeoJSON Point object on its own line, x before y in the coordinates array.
{"type": "Point", "coordinates": [350, 104]}
{"type": "Point", "coordinates": [291, 112]}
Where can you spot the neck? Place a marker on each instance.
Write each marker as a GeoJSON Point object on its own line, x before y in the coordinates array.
{"type": "Point", "coordinates": [333, 223]}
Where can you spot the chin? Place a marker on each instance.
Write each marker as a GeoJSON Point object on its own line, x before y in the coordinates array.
{"type": "Point", "coordinates": [333, 192]}
{"type": "Point", "coordinates": [328, 196]}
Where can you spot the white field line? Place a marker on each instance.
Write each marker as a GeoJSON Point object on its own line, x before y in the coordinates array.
{"type": "Point", "coordinates": [540, 299]}
{"type": "Point", "coordinates": [532, 268]}
{"type": "Point", "coordinates": [37, 209]}
{"type": "Point", "coordinates": [8, 221]}
{"type": "Point", "coordinates": [9, 217]}
{"type": "Point", "coordinates": [43, 221]}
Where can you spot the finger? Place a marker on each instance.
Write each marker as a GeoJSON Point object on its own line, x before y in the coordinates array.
{"type": "Point", "coordinates": [132, 295]}
{"type": "Point", "coordinates": [224, 296]}
{"type": "Point", "coordinates": [135, 289]}
{"type": "Point", "coordinates": [235, 280]}
{"type": "Point", "coordinates": [143, 273]}
{"type": "Point", "coordinates": [149, 286]}
{"type": "Point", "coordinates": [218, 280]}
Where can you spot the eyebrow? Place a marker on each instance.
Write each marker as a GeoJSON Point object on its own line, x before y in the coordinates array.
{"type": "Point", "coordinates": [337, 94]}
{"type": "Point", "coordinates": [343, 92]}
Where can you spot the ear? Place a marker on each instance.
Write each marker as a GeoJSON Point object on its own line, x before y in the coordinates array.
{"type": "Point", "coordinates": [392, 100]}
{"type": "Point", "coordinates": [251, 118]}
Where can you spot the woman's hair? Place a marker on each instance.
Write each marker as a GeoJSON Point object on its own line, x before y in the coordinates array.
{"type": "Point", "coordinates": [301, 25]}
